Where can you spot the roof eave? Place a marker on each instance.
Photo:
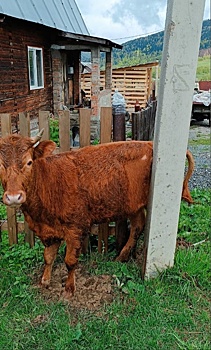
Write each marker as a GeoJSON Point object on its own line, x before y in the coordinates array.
{"type": "Point", "coordinates": [90, 39]}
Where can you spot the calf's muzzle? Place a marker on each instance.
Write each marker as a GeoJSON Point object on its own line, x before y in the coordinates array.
{"type": "Point", "coordinates": [14, 199]}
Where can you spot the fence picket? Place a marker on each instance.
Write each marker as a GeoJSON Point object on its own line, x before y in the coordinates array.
{"type": "Point", "coordinates": [6, 127]}
{"type": "Point", "coordinates": [12, 226]}
{"type": "Point", "coordinates": [135, 117]}
{"type": "Point", "coordinates": [143, 123]}
{"type": "Point", "coordinates": [84, 121]}
{"type": "Point", "coordinates": [44, 124]}
{"type": "Point", "coordinates": [24, 122]}
{"type": "Point", "coordinates": [105, 124]}
{"type": "Point", "coordinates": [105, 136]}
{"type": "Point", "coordinates": [64, 131]}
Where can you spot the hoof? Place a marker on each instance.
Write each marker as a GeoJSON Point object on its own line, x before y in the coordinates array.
{"type": "Point", "coordinates": [123, 257]}
{"type": "Point", "coordinates": [67, 295]}
{"type": "Point", "coordinates": [45, 283]}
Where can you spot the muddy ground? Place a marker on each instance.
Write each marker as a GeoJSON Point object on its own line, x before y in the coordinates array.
{"type": "Point", "coordinates": [92, 292]}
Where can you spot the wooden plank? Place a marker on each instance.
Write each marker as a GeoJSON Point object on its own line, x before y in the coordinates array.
{"type": "Point", "coordinates": [44, 124]}
{"type": "Point", "coordinates": [103, 234]}
{"type": "Point", "coordinates": [29, 235]}
{"type": "Point", "coordinates": [152, 120]}
{"type": "Point", "coordinates": [11, 212]}
{"type": "Point", "coordinates": [12, 226]}
{"type": "Point", "coordinates": [64, 131]}
{"type": "Point", "coordinates": [134, 125]}
{"type": "Point", "coordinates": [132, 82]}
{"type": "Point", "coordinates": [105, 136]}
{"type": "Point", "coordinates": [84, 121]}
{"type": "Point", "coordinates": [146, 124]}
{"type": "Point", "coordinates": [140, 126]}
{"type": "Point", "coordinates": [24, 122]}
{"type": "Point", "coordinates": [6, 125]}
{"type": "Point", "coordinates": [21, 227]}
{"type": "Point", "coordinates": [4, 226]}
{"type": "Point", "coordinates": [105, 124]}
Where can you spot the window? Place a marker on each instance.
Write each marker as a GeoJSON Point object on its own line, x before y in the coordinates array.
{"type": "Point", "coordinates": [35, 61]}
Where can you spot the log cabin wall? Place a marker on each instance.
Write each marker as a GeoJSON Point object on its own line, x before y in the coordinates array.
{"type": "Point", "coordinates": [15, 94]}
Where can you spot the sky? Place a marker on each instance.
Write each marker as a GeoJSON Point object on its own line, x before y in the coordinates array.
{"type": "Point", "coordinates": [124, 20]}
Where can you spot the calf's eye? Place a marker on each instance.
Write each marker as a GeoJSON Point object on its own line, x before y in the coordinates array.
{"type": "Point", "coordinates": [29, 162]}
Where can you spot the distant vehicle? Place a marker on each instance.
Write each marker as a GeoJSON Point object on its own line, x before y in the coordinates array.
{"type": "Point", "coordinates": [201, 108]}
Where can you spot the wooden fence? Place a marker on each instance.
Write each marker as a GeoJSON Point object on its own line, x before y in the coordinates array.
{"type": "Point", "coordinates": [142, 129]}
{"type": "Point", "coordinates": [143, 123]}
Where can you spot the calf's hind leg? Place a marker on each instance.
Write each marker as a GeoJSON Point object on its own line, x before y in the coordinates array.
{"type": "Point", "coordinates": [73, 248]}
{"type": "Point", "coordinates": [137, 222]}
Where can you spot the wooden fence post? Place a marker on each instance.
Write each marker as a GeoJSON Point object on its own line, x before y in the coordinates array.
{"type": "Point", "coordinates": [24, 122]}
{"type": "Point", "coordinates": [105, 124]}
{"type": "Point", "coordinates": [84, 122]}
{"type": "Point", "coordinates": [84, 136]}
{"type": "Point", "coordinates": [121, 227]}
{"type": "Point", "coordinates": [105, 136]}
{"type": "Point", "coordinates": [143, 123]}
{"type": "Point", "coordinates": [12, 226]}
{"type": "Point", "coordinates": [64, 131]}
{"type": "Point", "coordinates": [44, 124]}
{"type": "Point", "coordinates": [11, 212]}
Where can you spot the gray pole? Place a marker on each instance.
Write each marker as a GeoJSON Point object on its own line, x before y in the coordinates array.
{"type": "Point", "coordinates": [178, 71]}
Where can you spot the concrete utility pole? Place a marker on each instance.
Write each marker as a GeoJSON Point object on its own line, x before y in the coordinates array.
{"type": "Point", "coordinates": [178, 71]}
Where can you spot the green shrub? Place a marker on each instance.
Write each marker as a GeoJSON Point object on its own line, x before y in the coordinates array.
{"type": "Point", "coordinates": [54, 130]}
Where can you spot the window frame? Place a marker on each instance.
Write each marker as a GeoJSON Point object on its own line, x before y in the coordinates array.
{"type": "Point", "coordinates": [35, 67]}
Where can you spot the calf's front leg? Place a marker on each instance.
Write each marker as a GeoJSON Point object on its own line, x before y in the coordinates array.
{"type": "Point", "coordinates": [50, 253]}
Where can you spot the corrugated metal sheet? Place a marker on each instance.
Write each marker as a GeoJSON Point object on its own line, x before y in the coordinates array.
{"type": "Point", "coordinates": [60, 14]}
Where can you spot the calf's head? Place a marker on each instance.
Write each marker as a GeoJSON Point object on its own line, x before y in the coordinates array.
{"type": "Point", "coordinates": [17, 154]}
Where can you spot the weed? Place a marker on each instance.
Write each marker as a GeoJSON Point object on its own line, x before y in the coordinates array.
{"type": "Point", "coordinates": [54, 130]}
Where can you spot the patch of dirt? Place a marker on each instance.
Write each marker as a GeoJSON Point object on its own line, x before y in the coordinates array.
{"type": "Point", "coordinates": [92, 292]}
{"type": "Point", "coordinates": [183, 244]}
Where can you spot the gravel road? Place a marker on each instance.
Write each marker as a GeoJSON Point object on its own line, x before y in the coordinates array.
{"type": "Point", "coordinates": [201, 177]}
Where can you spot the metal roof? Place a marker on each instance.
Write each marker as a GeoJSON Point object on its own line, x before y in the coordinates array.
{"type": "Point", "coordinates": [60, 14]}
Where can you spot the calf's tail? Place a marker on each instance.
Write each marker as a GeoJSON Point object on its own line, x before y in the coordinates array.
{"type": "Point", "coordinates": [185, 191]}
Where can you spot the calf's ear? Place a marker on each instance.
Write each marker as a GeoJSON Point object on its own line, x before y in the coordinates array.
{"type": "Point", "coordinates": [44, 149]}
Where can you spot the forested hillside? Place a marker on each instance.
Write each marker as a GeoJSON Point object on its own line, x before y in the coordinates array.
{"type": "Point", "coordinates": [149, 48]}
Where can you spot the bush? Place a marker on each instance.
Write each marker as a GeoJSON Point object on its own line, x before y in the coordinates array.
{"type": "Point", "coordinates": [54, 130]}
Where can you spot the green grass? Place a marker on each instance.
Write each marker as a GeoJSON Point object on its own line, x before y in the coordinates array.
{"type": "Point", "coordinates": [203, 68]}
{"type": "Point", "coordinates": [168, 312]}
{"type": "Point", "coordinates": [194, 220]}
{"type": "Point", "coordinates": [202, 72]}
{"type": "Point", "coordinates": [200, 141]}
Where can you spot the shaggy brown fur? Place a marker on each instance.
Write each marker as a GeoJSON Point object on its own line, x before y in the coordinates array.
{"type": "Point", "coordinates": [62, 195]}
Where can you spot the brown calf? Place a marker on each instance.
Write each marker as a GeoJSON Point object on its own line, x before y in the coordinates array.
{"type": "Point", "coordinates": [62, 195]}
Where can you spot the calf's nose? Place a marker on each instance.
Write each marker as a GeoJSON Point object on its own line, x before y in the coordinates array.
{"type": "Point", "coordinates": [14, 199]}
